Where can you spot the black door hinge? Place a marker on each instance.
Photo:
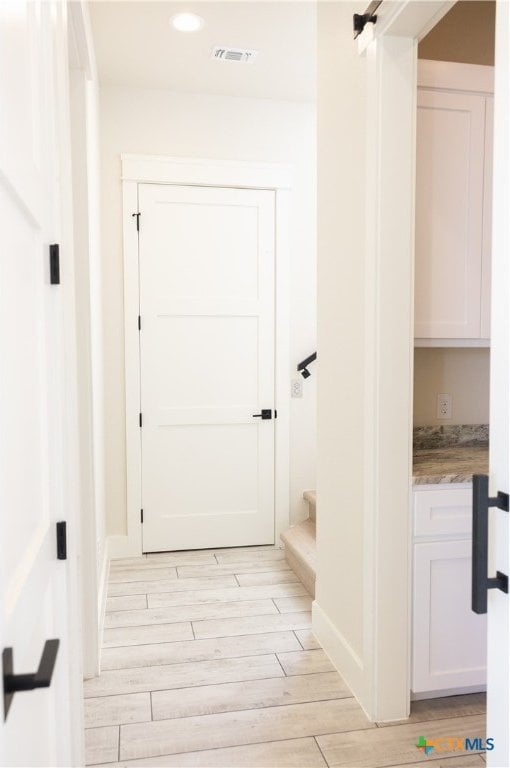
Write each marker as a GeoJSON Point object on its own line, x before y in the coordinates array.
{"type": "Point", "coordinates": [137, 215]}
{"type": "Point", "coordinates": [62, 540]}
{"type": "Point", "coordinates": [141, 515]}
{"type": "Point", "coordinates": [140, 419]}
{"type": "Point", "coordinates": [54, 264]}
{"type": "Point", "coordinates": [139, 323]}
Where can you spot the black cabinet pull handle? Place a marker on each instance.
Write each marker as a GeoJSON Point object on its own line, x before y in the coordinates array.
{"type": "Point", "coordinates": [480, 581]}
{"type": "Point", "coordinates": [266, 413]}
{"type": "Point", "coordinates": [40, 679]}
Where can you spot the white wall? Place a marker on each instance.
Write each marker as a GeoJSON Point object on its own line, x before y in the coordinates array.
{"type": "Point", "coordinates": [340, 291]}
{"type": "Point", "coordinates": [365, 181]}
{"type": "Point", "coordinates": [163, 123]}
{"type": "Point", "coordinates": [463, 373]}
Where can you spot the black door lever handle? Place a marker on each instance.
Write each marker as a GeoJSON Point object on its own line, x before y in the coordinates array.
{"type": "Point", "coordinates": [266, 413]}
{"type": "Point", "coordinates": [40, 679]}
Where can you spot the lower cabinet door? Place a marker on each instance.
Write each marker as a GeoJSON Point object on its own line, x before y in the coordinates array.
{"type": "Point", "coordinates": [449, 640]}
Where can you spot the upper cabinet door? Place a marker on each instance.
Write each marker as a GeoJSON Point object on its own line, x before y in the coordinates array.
{"type": "Point", "coordinates": [485, 330]}
{"type": "Point", "coordinates": [449, 214]}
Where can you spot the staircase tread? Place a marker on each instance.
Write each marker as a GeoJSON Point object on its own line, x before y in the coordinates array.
{"type": "Point", "coordinates": [300, 552]}
{"type": "Point", "coordinates": [300, 539]}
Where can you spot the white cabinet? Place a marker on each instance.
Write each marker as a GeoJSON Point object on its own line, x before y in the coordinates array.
{"type": "Point", "coordinates": [487, 221]}
{"type": "Point", "coordinates": [453, 169]}
{"type": "Point", "coordinates": [449, 640]}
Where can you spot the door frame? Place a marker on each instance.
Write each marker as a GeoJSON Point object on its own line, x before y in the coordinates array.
{"type": "Point", "coordinates": [70, 744]}
{"type": "Point", "coordinates": [182, 171]}
{"type": "Point", "coordinates": [84, 194]}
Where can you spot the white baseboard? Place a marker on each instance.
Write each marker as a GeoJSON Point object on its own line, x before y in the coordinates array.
{"type": "Point", "coordinates": [448, 692]}
{"type": "Point", "coordinates": [345, 660]}
{"type": "Point", "coordinates": [121, 546]}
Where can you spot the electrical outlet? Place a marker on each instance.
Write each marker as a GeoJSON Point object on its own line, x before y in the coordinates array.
{"type": "Point", "coordinates": [444, 406]}
{"type": "Point", "coordinates": [296, 388]}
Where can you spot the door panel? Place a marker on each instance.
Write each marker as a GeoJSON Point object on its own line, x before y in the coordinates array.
{"type": "Point", "coordinates": [204, 349]}
{"type": "Point", "coordinates": [485, 330]}
{"type": "Point", "coordinates": [22, 126]}
{"type": "Point", "coordinates": [449, 641]}
{"type": "Point", "coordinates": [206, 259]}
{"type": "Point", "coordinates": [222, 274]}
{"type": "Point", "coordinates": [449, 209]}
{"type": "Point", "coordinates": [37, 730]}
{"type": "Point", "coordinates": [498, 657]}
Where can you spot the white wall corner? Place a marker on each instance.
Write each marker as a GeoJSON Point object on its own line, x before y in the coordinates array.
{"type": "Point", "coordinates": [342, 655]}
{"type": "Point", "coordinates": [389, 349]}
{"type": "Point", "coordinates": [104, 572]}
{"type": "Point", "coordinates": [120, 545]}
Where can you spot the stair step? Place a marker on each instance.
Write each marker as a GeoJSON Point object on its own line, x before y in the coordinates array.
{"type": "Point", "coordinates": [300, 552]}
{"type": "Point", "coordinates": [311, 498]}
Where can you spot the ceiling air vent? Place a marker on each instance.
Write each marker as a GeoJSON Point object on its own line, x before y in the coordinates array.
{"type": "Point", "coordinates": [243, 55]}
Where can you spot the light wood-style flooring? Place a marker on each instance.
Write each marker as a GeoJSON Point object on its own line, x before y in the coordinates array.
{"type": "Point", "coordinates": [208, 660]}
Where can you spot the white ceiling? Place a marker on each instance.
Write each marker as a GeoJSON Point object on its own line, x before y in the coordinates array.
{"type": "Point", "coordinates": [137, 46]}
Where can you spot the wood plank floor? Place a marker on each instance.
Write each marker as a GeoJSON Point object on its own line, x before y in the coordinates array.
{"type": "Point", "coordinates": [209, 661]}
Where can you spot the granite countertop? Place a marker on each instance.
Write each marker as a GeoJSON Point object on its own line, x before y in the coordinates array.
{"type": "Point", "coordinates": [449, 454]}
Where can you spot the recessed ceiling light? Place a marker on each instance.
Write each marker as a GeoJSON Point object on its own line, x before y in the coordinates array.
{"type": "Point", "coordinates": [187, 22]}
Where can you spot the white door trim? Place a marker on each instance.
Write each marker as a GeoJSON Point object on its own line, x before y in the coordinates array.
{"type": "Point", "coordinates": [85, 168]}
{"type": "Point", "coordinates": [450, 76]}
{"type": "Point", "coordinates": [215, 173]}
{"type": "Point", "coordinates": [70, 743]}
{"type": "Point", "coordinates": [205, 172]}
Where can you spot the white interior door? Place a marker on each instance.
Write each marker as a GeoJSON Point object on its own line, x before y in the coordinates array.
{"type": "Point", "coordinates": [33, 610]}
{"type": "Point", "coordinates": [498, 650]}
{"type": "Point", "coordinates": [207, 350]}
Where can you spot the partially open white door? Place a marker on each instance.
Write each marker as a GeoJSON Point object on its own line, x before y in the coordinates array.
{"type": "Point", "coordinates": [207, 350]}
{"type": "Point", "coordinates": [498, 651]}
{"type": "Point", "coordinates": [35, 724]}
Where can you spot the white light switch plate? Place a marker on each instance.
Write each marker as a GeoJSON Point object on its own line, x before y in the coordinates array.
{"type": "Point", "coordinates": [296, 388]}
